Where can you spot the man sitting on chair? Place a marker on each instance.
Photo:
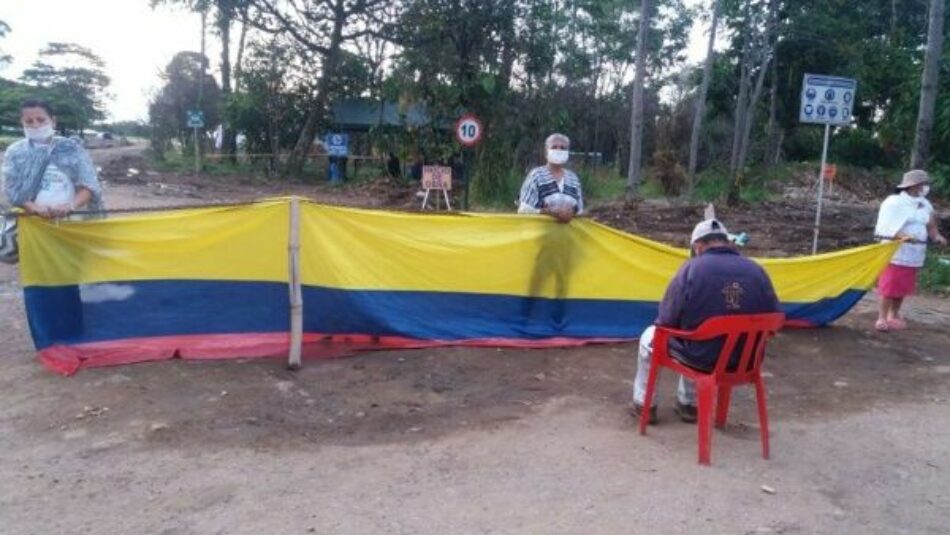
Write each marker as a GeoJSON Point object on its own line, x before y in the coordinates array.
{"type": "Point", "coordinates": [717, 281]}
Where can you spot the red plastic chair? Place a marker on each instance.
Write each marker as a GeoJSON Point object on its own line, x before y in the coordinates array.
{"type": "Point", "coordinates": [753, 331]}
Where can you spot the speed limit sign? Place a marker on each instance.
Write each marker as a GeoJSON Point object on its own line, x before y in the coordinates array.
{"type": "Point", "coordinates": [468, 130]}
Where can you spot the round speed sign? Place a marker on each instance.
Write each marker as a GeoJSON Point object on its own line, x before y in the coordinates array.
{"type": "Point", "coordinates": [468, 130]}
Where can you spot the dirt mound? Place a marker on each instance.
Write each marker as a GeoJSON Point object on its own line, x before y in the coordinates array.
{"type": "Point", "coordinates": [385, 192]}
{"type": "Point", "coordinates": [125, 168]}
{"type": "Point", "coordinates": [775, 228]}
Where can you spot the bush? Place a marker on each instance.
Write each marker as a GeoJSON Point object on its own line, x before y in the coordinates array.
{"type": "Point", "coordinates": [858, 147]}
{"type": "Point", "coordinates": [668, 172]}
{"type": "Point", "coordinates": [940, 180]}
{"type": "Point", "coordinates": [601, 183]}
{"type": "Point", "coordinates": [935, 275]}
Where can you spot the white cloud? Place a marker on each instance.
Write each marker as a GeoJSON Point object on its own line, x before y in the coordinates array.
{"type": "Point", "coordinates": [135, 41]}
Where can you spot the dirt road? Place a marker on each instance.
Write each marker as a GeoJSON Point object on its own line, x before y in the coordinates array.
{"type": "Point", "coordinates": [474, 440]}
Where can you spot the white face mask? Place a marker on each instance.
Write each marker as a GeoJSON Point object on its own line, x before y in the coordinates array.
{"type": "Point", "coordinates": [41, 133]}
{"type": "Point", "coordinates": [924, 191]}
{"type": "Point", "coordinates": [558, 156]}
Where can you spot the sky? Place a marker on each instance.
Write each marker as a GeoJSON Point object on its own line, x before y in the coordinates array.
{"type": "Point", "coordinates": [135, 41]}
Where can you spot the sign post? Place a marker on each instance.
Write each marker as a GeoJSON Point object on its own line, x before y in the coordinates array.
{"type": "Point", "coordinates": [439, 178]}
{"type": "Point", "coordinates": [826, 100]}
{"type": "Point", "coordinates": [337, 146]}
{"type": "Point", "coordinates": [196, 120]}
{"type": "Point", "coordinates": [468, 132]}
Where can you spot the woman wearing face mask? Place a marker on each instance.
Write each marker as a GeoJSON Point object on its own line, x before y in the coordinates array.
{"type": "Point", "coordinates": [48, 175]}
{"type": "Point", "coordinates": [907, 216]}
{"type": "Point", "coordinates": [551, 189]}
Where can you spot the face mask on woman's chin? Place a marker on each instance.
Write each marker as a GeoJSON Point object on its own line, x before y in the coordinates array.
{"type": "Point", "coordinates": [924, 191]}
{"type": "Point", "coordinates": [558, 156]}
{"type": "Point", "coordinates": [40, 133]}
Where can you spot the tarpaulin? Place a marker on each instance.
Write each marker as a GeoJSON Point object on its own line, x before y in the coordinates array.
{"type": "Point", "coordinates": [213, 283]}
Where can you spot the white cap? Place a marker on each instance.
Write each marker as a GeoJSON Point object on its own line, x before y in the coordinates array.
{"type": "Point", "coordinates": [706, 228]}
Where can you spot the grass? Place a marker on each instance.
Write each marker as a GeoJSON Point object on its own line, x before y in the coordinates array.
{"type": "Point", "coordinates": [712, 184]}
{"type": "Point", "coordinates": [935, 275]}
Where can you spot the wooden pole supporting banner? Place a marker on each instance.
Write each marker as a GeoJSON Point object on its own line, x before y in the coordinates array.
{"type": "Point", "coordinates": [296, 294]}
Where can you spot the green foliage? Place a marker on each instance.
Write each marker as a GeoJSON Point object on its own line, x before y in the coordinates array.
{"type": "Point", "coordinates": [528, 68]}
{"type": "Point", "coordinates": [755, 184]}
{"type": "Point", "coordinates": [935, 275]}
{"type": "Point", "coordinates": [5, 59]}
{"type": "Point", "coordinates": [269, 106]}
{"type": "Point", "coordinates": [601, 184]}
{"type": "Point", "coordinates": [73, 79]}
{"type": "Point", "coordinates": [940, 179]}
{"type": "Point", "coordinates": [858, 145]}
{"type": "Point", "coordinates": [183, 90]}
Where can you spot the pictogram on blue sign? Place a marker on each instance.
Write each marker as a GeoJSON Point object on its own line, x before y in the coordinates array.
{"type": "Point", "coordinates": [827, 99]}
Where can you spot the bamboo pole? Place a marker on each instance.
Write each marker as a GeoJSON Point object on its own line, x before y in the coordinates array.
{"type": "Point", "coordinates": [296, 296]}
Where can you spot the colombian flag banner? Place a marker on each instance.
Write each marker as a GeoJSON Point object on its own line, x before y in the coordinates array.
{"type": "Point", "coordinates": [215, 282]}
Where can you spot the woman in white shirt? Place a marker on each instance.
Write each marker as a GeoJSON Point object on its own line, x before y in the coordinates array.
{"type": "Point", "coordinates": [908, 216]}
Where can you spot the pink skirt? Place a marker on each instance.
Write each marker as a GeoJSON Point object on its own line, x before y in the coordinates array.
{"type": "Point", "coordinates": [897, 281]}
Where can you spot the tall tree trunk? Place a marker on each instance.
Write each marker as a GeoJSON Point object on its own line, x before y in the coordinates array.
{"type": "Point", "coordinates": [701, 99]}
{"type": "Point", "coordinates": [636, 112]}
{"type": "Point", "coordinates": [239, 60]}
{"type": "Point", "coordinates": [773, 129]}
{"type": "Point", "coordinates": [298, 156]}
{"type": "Point", "coordinates": [928, 86]}
{"type": "Point", "coordinates": [228, 135]}
{"type": "Point", "coordinates": [768, 47]}
{"type": "Point", "coordinates": [739, 119]}
{"type": "Point", "coordinates": [892, 36]}
{"type": "Point", "coordinates": [745, 113]}
{"type": "Point", "coordinates": [750, 114]}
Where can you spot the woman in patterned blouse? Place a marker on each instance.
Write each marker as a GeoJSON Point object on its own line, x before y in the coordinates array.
{"type": "Point", "coordinates": [551, 189]}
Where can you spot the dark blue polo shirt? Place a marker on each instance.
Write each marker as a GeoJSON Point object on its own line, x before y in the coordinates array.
{"type": "Point", "coordinates": [720, 282]}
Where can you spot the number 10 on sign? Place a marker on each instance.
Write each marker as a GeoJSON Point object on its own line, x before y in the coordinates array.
{"type": "Point", "coordinates": [468, 130]}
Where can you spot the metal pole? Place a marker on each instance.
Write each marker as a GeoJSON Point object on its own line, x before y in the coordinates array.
{"type": "Point", "coordinates": [466, 175]}
{"type": "Point", "coordinates": [296, 293]}
{"type": "Point", "coordinates": [821, 189]}
{"type": "Point", "coordinates": [197, 154]}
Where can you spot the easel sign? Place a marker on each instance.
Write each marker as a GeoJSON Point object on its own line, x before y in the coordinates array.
{"type": "Point", "coordinates": [439, 178]}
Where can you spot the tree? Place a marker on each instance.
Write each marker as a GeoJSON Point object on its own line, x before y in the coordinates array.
{"type": "Point", "coordinates": [270, 100]}
{"type": "Point", "coordinates": [636, 114]}
{"type": "Point", "coordinates": [701, 98]}
{"type": "Point", "coordinates": [73, 77]}
{"type": "Point", "coordinates": [320, 28]}
{"type": "Point", "coordinates": [225, 12]}
{"type": "Point", "coordinates": [184, 78]}
{"type": "Point", "coordinates": [928, 86]}
{"type": "Point", "coordinates": [5, 59]}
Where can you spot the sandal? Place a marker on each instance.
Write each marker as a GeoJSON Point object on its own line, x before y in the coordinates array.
{"type": "Point", "coordinates": [896, 324]}
{"type": "Point", "coordinates": [882, 326]}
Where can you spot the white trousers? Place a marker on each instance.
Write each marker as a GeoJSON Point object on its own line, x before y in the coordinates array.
{"type": "Point", "coordinates": [685, 393]}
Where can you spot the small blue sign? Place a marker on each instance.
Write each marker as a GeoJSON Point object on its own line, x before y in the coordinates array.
{"type": "Point", "coordinates": [337, 145]}
{"type": "Point", "coordinates": [195, 118]}
{"type": "Point", "coordinates": [827, 99]}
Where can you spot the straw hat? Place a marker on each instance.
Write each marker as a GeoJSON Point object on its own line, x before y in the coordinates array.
{"type": "Point", "coordinates": [914, 178]}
